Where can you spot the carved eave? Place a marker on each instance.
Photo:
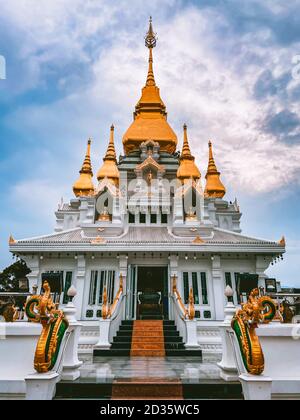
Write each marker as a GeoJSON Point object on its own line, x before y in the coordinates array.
{"type": "Point", "coordinates": [150, 163]}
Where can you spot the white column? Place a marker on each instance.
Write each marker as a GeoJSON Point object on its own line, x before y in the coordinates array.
{"type": "Point", "coordinates": [218, 287]}
{"type": "Point", "coordinates": [262, 264]}
{"type": "Point", "coordinates": [33, 263]}
{"type": "Point", "coordinates": [80, 284]}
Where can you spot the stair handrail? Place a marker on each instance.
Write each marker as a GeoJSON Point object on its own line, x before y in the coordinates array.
{"type": "Point", "coordinates": [107, 310]}
{"type": "Point", "coordinates": [189, 312]}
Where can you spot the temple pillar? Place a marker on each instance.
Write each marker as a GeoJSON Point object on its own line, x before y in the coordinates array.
{"type": "Point", "coordinates": [218, 287]}
{"type": "Point", "coordinates": [262, 264]}
{"type": "Point", "coordinates": [33, 263]}
{"type": "Point", "coordinates": [80, 282]}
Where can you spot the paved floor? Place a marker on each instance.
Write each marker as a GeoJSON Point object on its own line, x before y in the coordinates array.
{"type": "Point", "coordinates": [183, 368]}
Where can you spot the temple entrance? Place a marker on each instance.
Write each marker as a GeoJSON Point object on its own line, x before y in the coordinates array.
{"type": "Point", "coordinates": [152, 293]}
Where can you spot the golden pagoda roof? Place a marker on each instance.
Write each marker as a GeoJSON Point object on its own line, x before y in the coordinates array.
{"type": "Point", "coordinates": [187, 169]}
{"type": "Point", "coordinates": [84, 185]}
{"type": "Point", "coordinates": [214, 187]}
{"type": "Point", "coordinates": [109, 169]}
{"type": "Point", "coordinates": [150, 116]}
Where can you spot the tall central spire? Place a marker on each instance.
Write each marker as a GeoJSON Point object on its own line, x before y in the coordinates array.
{"type": "Point", "coordinates": [150, 42]}
{"type": "Point", "coordinates": [150, 116]}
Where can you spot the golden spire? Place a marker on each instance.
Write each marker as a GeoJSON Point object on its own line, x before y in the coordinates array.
{"type": "Point", "coordinates": [187, 169]}
{"type": "Point", "coordinates": [214, 187]}
{"type": "Point", "coordinates": [150, 116]}
{"type": "Point", "coordinates": [150, 42]}
{"type": "Point", "coordinates": [109, 168]}
{"type": "Point", "coordinates": [84, 185]}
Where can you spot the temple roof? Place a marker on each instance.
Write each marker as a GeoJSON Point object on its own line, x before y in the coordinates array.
{"type": "Point", "coordinates": [139, 237]}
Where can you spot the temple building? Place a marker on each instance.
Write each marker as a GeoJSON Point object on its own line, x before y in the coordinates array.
{"type": "Point", "coordinates": [148, 218]}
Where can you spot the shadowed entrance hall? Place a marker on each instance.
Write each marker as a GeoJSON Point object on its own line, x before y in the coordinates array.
{"type": "Point", "coordinates": [152, 291]}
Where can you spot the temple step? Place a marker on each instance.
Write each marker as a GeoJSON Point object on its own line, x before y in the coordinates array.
{"type": "Point", "coordinates": [147, 338]}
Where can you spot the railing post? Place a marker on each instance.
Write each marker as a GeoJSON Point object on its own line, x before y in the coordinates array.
{"type": "Point", "coordinates": [71, 362]}
{"type": "Point", "coordinates": [227, 365]}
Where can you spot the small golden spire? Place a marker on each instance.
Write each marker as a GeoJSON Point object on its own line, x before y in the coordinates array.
{"type": "Point", "coordinates": [214, 187]}
{"type": "Point", "coordinates": [282, 241]}
{"type": "Point", "coordinates": [84, 185]}
{"type": "Point", "coordinates": [11, 240]}
{"type": "Point", "coordinates": [109, 168]}
{"type": "Point", "coordinates": [187, 169]}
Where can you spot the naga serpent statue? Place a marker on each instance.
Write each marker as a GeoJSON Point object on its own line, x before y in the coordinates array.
{"type": "Point", "coordinates": [258, 309]}
{"type": "Point", "coordinates": [41, 309]}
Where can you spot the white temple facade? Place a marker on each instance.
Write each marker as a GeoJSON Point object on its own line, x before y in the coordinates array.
{"type": "Point", "coordinates": [149, 218]}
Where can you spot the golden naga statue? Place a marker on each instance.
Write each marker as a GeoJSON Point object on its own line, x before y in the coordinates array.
{"type": "Point", "coordinates": [41, 309]}
{"type": "Point", "coordinates": [258, 309]}
{"type": "Point", "coordinates": [9, 311]}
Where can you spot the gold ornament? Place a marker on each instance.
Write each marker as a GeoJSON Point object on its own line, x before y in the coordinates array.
{"type": "Point", "coordinates": [258, 309]}
{"type": "Point", "coordinates": [41, 309]}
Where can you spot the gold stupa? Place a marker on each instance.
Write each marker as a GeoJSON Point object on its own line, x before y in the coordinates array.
{"type": "Point", "coordinates": [150, 116]}
{"type": "Point", "coordinates": [84, 185]}
{"type": "Point", "coordinates": [109, 168]}
{"type": "Point", "coordinates": [187, 169]}
{"type": "Point", "coordinates": [214, 187]}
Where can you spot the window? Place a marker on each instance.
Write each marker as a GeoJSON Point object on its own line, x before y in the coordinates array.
{"type": "Point", "coordinates": [142, 218]}
{"type": "Point", "coordinates": [195, 288]}
{"type": "Point", "coordinates": [186, 287]}
{"type": "Point", "coordinates": [198, 282]}
{"type": "Point", "coordinates": [153, 219]}
{"type": "Point", "coordinates": [204, 289]}
{"type": "Point", "coordinates": [93, 287]}
{"type": "Point", "coordinates": [228, 280]}
{"type": "Point", "coordinates": [100, 280]}
{"type": "Point", "coordinates": [68, 284]}
{"type": "Point", "coordinates": [164, 218]}
{"type": "Point", "coordinates": [131, 218]}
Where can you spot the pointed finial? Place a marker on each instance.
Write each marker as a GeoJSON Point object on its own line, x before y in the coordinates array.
{"type": "Point", "coordinates": [186, 151]}
{"type": "Point", "coordinates": [84, 185]}
{"type": "Point", "coordinates": [109, 168]}
{"type": "Point", "coordinates": [150, 42]}
{"type": "Point", "coordinates": [214, 187]}
{"type": "Point", "coordinates": [282, 241]}
{"type": "Point", "coordinates": [11, 240]}
{"type": "Point", "coordinates": [187, 169]}
{"type": "Point", "coordinates": [150, 38]}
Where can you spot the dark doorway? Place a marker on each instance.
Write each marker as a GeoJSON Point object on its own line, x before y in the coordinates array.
{"type": "Point", "coordinates": [152, 288]}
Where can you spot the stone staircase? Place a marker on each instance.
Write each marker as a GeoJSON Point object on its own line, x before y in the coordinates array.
{"type": "Point", "coordinates": [147, 339]}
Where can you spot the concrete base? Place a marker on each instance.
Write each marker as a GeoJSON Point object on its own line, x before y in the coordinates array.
{"type": "Point", "coordinates": [228, 373]}
{"type": "Point", "coordinates": [256, 388]}
{"type": "Point", "coordinates": [71, 373]}
{"type": "Point", "coordinates": [41, 386]}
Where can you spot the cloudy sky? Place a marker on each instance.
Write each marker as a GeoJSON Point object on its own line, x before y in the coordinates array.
{"type": "Point", "coordinates": [228, 68]}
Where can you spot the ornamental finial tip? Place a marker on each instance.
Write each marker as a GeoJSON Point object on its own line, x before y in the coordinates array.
{"type": "Point", "coordinates": [150, 39]}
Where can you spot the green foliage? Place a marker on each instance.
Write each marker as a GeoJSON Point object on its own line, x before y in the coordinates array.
{"type": "Point", "coordinates": [9, 278]}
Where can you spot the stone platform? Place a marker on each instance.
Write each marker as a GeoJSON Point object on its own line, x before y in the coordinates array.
{"type": "Point", "coordinates": [171, 378]}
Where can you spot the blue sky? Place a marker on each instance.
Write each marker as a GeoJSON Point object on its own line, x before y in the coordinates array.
{"type": "Point", "coordinates": [224, 67]}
